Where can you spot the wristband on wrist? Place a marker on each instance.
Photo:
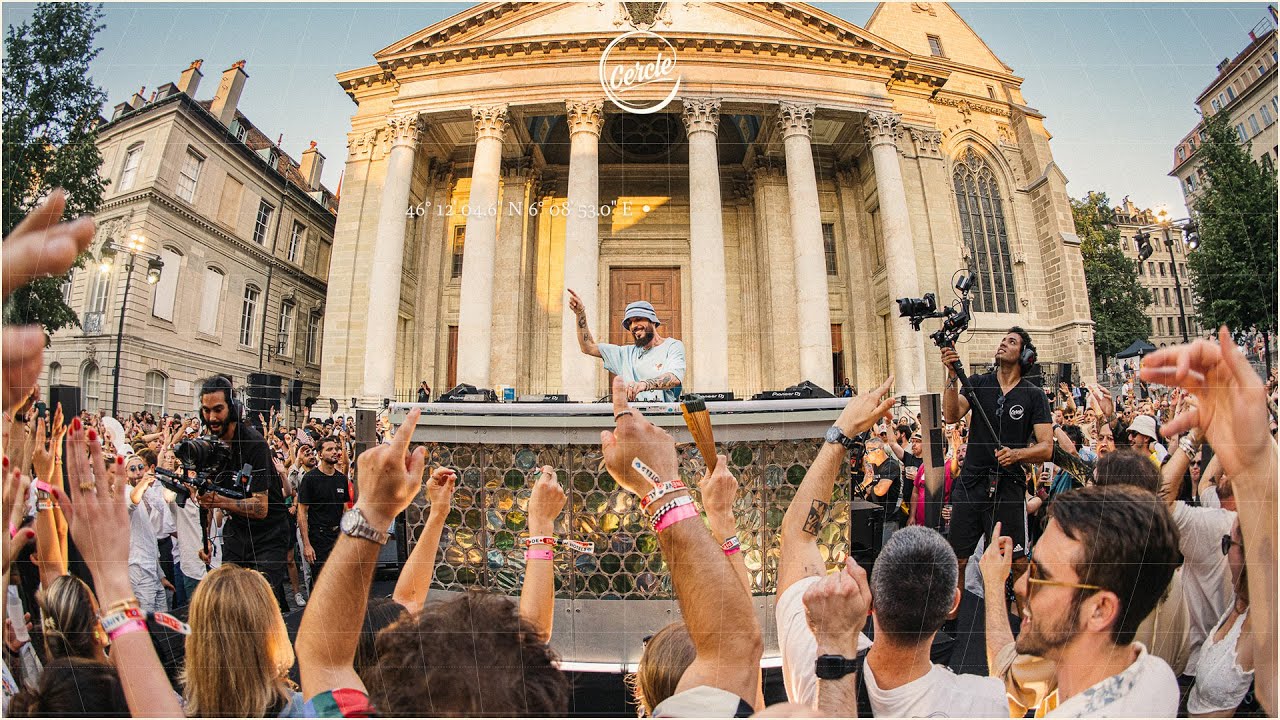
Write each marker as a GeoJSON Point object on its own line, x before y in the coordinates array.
{"type": "Point", "coordinates": [538, 554]}
{"type": "Point", "coordinates": [657, 514]}
{"type": "Point", "coordinates": [128, 627]}
{"type": "Point", "coordinates": [681, 509]}
{"type": "Point", "coordinates": [576, 545]}
{"type": "Point", "coordinates": [659, 491]}
{"type": "Point", "coordinates": [118, 618]}
{"type": "Point", "coordinates": [731, 546]}
{"type": "Point", "coordinates": [645, 471]}
{"type": "Point", "coordinates": [123, 604]}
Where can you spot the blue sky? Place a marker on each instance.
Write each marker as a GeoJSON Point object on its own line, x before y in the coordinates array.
{"type": "Point", "coordinates": [1116, 80]}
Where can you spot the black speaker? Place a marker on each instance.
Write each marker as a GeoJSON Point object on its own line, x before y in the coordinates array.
{"type": "Point", "coordinates": [866, 531]}
{"type": "Point", "coordinates": [263, 392]}
{"type": "Point", "coordinates": [69, 396]}
{"type": "Point", "coordinates": [366, 426]}
{"type": "Point", "coordinates": [295, 393]}
{"type": "Point", "coordinates": [1064, 373]}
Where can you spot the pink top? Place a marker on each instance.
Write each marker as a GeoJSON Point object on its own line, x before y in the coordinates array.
{"type": "Point", "coordinates": [919, 489]}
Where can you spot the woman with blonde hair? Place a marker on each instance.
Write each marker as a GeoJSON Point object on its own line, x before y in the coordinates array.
{"type": "Point", "coordinates": [667, 654]}
{"type": "Point", "coordinates": [70, 620]}
{"type": "Point", "coordinates": [238, 655]}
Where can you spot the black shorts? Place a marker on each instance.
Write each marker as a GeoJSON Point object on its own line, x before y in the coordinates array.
{"type": "Point", "coordinates": [974, 514]}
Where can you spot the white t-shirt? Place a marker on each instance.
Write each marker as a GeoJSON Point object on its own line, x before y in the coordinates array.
{"type": "Point", "coordinates": [1209, 497]}
{"type": "Point", "coordinates": [633, 364]}
{"type": "Point", "coordinates": [1206, 579]}
{"type": "Point", "coordinates": [187, 520]}
{"type": "Point", "coordinates": [1147, 688]}
{"type": "Point", "coordinates": [799, 647]}
{"type": "Point", "coordinates": [939, 693]}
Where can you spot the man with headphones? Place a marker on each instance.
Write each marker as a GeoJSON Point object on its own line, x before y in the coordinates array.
{"type": "Point", "coordinates": [1019, 413]}
{"type": "Point", "coordinates": [256, 533]}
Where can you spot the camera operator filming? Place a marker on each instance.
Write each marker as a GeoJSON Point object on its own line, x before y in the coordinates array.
{"type": "Point", "coordinates": [1012, 426]}
{"type": "Point", "coordinates": [256, 533]}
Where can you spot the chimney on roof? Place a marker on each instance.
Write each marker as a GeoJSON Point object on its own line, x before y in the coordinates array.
{"type": "Point", "coordinates": [189, 80]}
{"type": "Point", "coordinates": [311, 165]}
{"type": "Point", "coordinates": [1225, 62]}
{"type": "Point", "coordinates": [137, 100]}
{"type": "Point", "coordinates": [228, 94]}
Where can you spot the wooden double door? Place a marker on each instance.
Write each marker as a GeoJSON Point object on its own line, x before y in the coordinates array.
{"type": "Point", "coordinates": [660, 286]}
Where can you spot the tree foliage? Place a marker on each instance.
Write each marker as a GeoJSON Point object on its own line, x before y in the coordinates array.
{"type": "Point", "coordinates": [1116, 299]}
{"type": "Point", "coordinates": [51, 108]}
{"type": "Point", "coordinates": [1233, 273]}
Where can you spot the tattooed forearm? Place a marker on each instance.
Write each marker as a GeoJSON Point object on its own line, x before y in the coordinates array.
{"type": "Point", "coordinates": [666, 380]}
{"type": "Point", "coordinates": [253, 507]}
{"type": "Point", "coordinates": [582, 321]}
{"type": "Point", "coordinates": [817, 512]}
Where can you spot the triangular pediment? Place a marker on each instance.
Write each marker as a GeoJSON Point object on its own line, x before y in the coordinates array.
{"type": "Point", "coordinates": [504, 23]}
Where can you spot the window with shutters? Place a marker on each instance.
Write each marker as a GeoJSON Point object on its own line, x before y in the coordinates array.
{"type": "Point", "coordinates": [285, 338]}
{"type": "Point", "coordinates": [983, 231]}
{"type": "Point", "coordinates": [211, 300]}
{"type": "Point", "coordinates": [313, 338]}
{"type": "Point", "coordinates": [190, 175]}
{"type": "Point", "coordinates": [296, 236]}
{"type": "Point", "coordinates": [99, 288]}
{"type": "Point", "coordinates": [167, 289]}
{"type": "Point", "coordinates": [129, 170]}
{"type": "Point", "coordinates": [248, 315]}
{"type": "Point", "coordinates": [89, 386]}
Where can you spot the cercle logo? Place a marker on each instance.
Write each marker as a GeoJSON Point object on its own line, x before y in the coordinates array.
{"type": "Point", "coordinates": [621, 79]}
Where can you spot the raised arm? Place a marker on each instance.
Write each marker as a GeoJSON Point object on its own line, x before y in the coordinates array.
{"type": "Point", "coordinates": [719, 489]}
{"type": "Point", "coordinates": [1175, 468]}
{"type": "Point", "coordinates": [1231, 413]}
{"type": "Point", "coordinates": [829, 605]}
{"type": "Point", "coordinates": [538, 595]}
{"type": "Point", "coordinates": [50, 526]}
{"type": "Point", "coordinates": [954, 406]}
{"type": "Point", "coordinates": [330, 629]}
{"type": "Point", "coordinates": [415, 577]}
{"type": "Point", "coordinates": [100, 524]}
{"type": "Point", "coordinates": [996, 563]}
{"type": "Point", "coordinates": [808, 509]}
{"type": "Point", "coordinates": [586, 343]}
{"type": "Point", "coordinates": [716, 608]}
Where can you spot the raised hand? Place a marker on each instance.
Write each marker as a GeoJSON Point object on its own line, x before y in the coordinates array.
{"type": "Point", "coordinates": [43, 458]}
{"type": "Point", "coordinates": [96, 515]}
{"type": "Point", "coordinates": [440, 489]}
{"type": "Point", "coordinates": [635, 438]}
{"type": "Point", "coordinates": [864, 410]}
{"type": "Point", "coordinates": [997, 560]}
{"type": "Point", "coordinates": [575, 304]}
{"type": "Point", "coordinates": [16, 487]}
{"type": "Point", "coordinates": [836, 608]}
{"type": "Point", "coordinates": [719, 489]}
{"type": "Point", "coordinates": [390, 475]}
{"type": "Point", "coordinates": [545, 503]}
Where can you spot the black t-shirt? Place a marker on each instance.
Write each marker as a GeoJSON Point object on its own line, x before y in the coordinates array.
{"type": "Point", "coordinates": [325, 497]}
{"type": "Point", "coordinates": [243, 537]}
{"type": "Point", "coordinates": [890, 469]}
{"type": "Point", "coordinates": [1013, 415]}
{"type": "Point", "coordinates": [910, 463]}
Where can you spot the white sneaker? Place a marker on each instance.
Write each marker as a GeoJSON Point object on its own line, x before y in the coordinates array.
{"type": "Point", "coordinates": [299, 600]}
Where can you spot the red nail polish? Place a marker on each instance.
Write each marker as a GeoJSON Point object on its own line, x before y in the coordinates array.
{"type": "Point", "coordinates": [6, 461]}
{"type": "Point", "coordinates": [119, 459]}
{"type": "Point", "coordinates": [75, 424]}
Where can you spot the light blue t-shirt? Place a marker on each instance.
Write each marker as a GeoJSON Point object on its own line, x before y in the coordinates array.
{"type": "Point", "coordinates": [634, 364]}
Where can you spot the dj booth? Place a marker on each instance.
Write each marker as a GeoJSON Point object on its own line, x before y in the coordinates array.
{"type": "Point", "coordinates": [607, 602]}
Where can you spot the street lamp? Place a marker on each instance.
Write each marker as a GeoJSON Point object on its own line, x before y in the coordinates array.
{"type": "Point", "coordinates": [1165, 224]}
{"type": "Point", "coordinates": [134, 248]}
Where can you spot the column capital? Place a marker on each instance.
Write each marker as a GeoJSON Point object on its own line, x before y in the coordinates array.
{"type": "Point", "coordinates": [847, 173]}
{"type": "Point", "coordinates": [928, 141]}
{"type": "Point", "coordinates": [883, 128]}
{"type": "Point", "coordinates": [519, 170]}
{"type": "Point", "coordinates": [360, 143]}
{"type": "Point", "coordinates": [765, 167]}
{"type": "Point", "coordinates": [404, 129]}
{"type": "Point", "coordinates": [796, 118]}
{"type": "Point", "coordinates": [585, 116]}
{"type": "Point", "coordinates": [701, 115]}
{"type": "Point", "coordinates": [490, 120]}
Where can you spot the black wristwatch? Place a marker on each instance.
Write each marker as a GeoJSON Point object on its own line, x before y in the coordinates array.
{"type": "Point", "coordinates": [836, 435]}
{"type": "Point", "coordinates": [834, 667]}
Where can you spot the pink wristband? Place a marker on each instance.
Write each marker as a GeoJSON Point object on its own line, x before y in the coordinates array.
{"type": "Point", "coordinates": [538, 554]}
{"type": "Point", "coordinates": [675, 515]}
{"type": "Point", "coordinates": [131, 626]}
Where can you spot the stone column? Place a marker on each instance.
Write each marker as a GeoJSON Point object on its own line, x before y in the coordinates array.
{"type": "Point", "coordinates": [861, 302]}
{"type": "Point", "coordinates": [435, 248]}
{"type": "Point", "coordinates": [475, 309]}
{"type": "Point", "coordinates": [710, 336]}
{"type": "Point", "coordinates": [582, 248]}
{"type": "Point", "coordinates": [795, 121]}
{"type": "Point", "coordinates": [388, 259]}
{"type": "Point", "coordinates": [779, 363]}
{"type": "Point", "coordinates": [883, 130]}
{"type": "Point", "coordinates": [508, 268]}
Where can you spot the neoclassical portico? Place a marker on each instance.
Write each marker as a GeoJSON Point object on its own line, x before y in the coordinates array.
{"type": "Point", "coordinates": [774, 222]}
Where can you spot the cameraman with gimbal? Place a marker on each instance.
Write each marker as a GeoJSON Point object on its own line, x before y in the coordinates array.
{"type": "Point", "coordinates": [992, 483]}
{"type": "Point", "coordinates": [256, 532]}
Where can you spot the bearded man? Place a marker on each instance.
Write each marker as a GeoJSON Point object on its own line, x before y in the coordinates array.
{"type": "Point", "coordinates": [652, 368]}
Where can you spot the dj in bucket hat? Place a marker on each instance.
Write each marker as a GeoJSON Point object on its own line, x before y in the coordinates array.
{"type": "Point", "coordinates": [639, 309]}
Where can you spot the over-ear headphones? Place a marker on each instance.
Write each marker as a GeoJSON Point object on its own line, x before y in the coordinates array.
{"type": "Point", "coordinates": [222, 384]}
{"type": "Point", "coordinates": [1028, 356]}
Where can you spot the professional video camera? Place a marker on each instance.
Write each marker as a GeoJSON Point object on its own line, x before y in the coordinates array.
{"type": "Point", "coordinates": [205, 463]}
{"type": "Point", "coordinates": [955, 321]}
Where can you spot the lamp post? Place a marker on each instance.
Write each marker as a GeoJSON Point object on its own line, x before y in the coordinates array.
{"type": "Point", "coordinates": [134, 249]}
{"type": "Point", "coordinates": [1165, 224]}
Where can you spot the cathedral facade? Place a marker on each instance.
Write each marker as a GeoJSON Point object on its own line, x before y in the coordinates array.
{"type": "Point", "coordinates": [769, 176]}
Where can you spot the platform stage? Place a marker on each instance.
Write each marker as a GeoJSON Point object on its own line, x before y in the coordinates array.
{"type": "Point", "coordinates": [607, 602]}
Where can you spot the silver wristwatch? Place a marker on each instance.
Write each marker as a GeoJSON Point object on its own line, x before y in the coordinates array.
{"type": "Point", "coordinates": [354, 524]}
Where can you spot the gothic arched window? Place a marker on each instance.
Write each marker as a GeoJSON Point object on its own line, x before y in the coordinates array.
{"type": "Point", "coordinates": [982, 228]}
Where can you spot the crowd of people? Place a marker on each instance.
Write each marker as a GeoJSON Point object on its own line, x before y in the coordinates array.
{"type": "Point", "coordinates": [1123, 548]}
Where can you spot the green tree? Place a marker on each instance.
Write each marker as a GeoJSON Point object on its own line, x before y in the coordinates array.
{"type": "Point", "coordinates": [51, 109]}
{"type": "Point", "coordinates": [1233, 273]}
{"type": "Point", "coordinates": [1118, 303]}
